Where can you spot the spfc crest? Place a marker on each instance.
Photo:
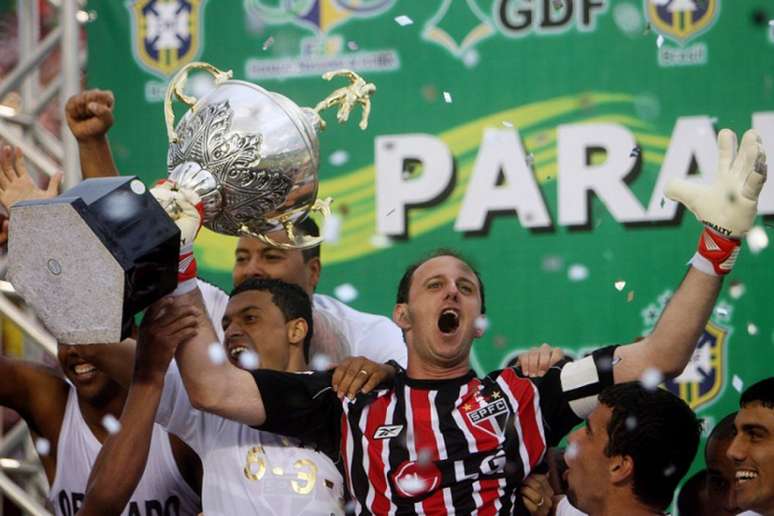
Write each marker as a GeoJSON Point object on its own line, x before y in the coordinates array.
{"type": "Point", "coordinates": [166, 34]}
{"type": "Point", "coordinates": [682, 19]}
{"type": "Point", "coordinates": [702, 378]}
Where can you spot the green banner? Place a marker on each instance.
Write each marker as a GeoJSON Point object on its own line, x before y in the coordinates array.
{"type": "Point", "coordinates": [533, 135]}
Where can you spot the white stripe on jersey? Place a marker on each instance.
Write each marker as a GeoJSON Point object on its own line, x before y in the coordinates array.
{"type": "Point", "coordinates": [386, 453]}
{"type": "Point", "coordinates": [471, 440]}
{"type": "Point", "coordinates": [578, 374]}
{"type": "Point", "coordinates": [523, 453]}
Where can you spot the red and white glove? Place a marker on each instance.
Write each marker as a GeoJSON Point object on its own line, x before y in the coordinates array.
{"type": "Point", "coordinates": [186, 209]}
{"type": "Point", "coordinates": [729, 205]}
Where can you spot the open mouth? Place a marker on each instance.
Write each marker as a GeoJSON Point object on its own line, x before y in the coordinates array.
{"type": "Point", "coordinates": [83, 370]}
{"type": "Point", "coordinates": [449, 321]}
{"type": "Point", "coordinates": [235, 351]}
{"type": "Point", "coordinates": [745, 475]}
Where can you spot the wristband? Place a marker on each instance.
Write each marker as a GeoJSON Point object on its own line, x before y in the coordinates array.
{"type": "Point", "coordinates": [186, 272]}
{"type": "Point", "coordinates": [716, 254]}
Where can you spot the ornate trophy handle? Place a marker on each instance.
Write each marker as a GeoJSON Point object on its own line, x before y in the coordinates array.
{"type": "Point", "coordinates": [359, 92]}
{"type": "Point", "coordinates": [176, 87]}
{"type": "Point", "coordinates": [322, 206]}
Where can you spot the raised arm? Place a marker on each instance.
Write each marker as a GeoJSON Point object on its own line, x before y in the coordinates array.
{"type": "Point", "coordinates": [216, 386]}
{"type": "Point", "coordinates": [89, 115]}
{"type": "Point", "coordinates": [728, 208]}
{"type": "Point", "coordinates": [121, 461]}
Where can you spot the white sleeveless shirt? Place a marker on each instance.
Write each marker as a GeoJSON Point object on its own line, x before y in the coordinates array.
{"type": "Point", "coordinates": [162, 491]}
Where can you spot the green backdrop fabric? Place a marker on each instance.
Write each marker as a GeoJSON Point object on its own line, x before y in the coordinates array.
{"type": "Point", "coordinates": [502, 101]}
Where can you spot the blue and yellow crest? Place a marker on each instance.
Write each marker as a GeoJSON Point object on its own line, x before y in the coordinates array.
{"type": "Point", "coordinates": [321, 16]}
{"type": "Point", "coordinates": [703, 377]}
{"type": "Point", "coordinates": [166, 34]}
{"type": "Point", "coordinates": [682, 20]}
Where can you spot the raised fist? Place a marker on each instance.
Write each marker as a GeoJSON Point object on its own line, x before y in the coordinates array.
{"type": "Point", "coordinates": [89, 114]}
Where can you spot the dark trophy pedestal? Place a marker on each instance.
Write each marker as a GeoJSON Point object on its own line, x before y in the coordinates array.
{"type": "Point", "coordinates": [89, 260]}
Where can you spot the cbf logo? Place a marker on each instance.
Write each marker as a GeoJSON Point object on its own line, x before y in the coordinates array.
{"type": "Point", "coordinates": [322, 51]}
{"type": "Point", "coordinates": [166, 34]}
{"type": "Point", "coordinates": [702, 379]}
{"type": "Point", "coordinates": [682, 21]}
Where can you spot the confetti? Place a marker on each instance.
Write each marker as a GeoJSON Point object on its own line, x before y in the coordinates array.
{"type": "Point", "coordinates": [737, 383]}
{"type": "Point", "coordinates": [338, 158]}
{"type": "Point", "coordinates": [552, 263]}
{"type": "Point", "coordinates": [345, 292]}
{"type": "Point", "coordinates": [631, 423]}
{"type": "Point", "coordinates": [572, 451]}
{"type": "Point", "coordinates": [752, 329]}
{"type": "Point", "coordinates": [43, 446]}
{"type": "Point", "coordinates": [321, 362]}
{"type": "Point", "coordinates": [403, 20]}
{"type": "Point", "coordinates": [530, 160]}
{"type": "Point", "coordinates": [352, 45]}
{"type": "Point", "coordinates": [635, 153]}
{"type": "Point", "coordinates": [424, 457]}
{"type": "Point", "coordinates": [471, 58]}
{"type": "Point", "coordinates": [771, 23]}
{"type": "Point", "coordinates": [619, 285]}
{"type": "Point", "coordinates": [736, 290]}
{"type": "Point", "coordinates": [757, 239]}
{"type": "Point", "coordinates": [269, 42]}
{"type": "Point", "coordinates": [659, 41]}
{"type": "Point", "coordinates": [499, 341]}
{"type": "Point", "coordinates": [350, 507]}
{"type": "Point", "coordinates": [412, 484]}
{"type": "Point", "coordinates": [670, 470]}
{"type": "Point", "coordinates": [447, 97]}
{"type": "Point", "coordinates": [216, 353]}
{"type": "Point", "coordinates": [332, 229]}
{"type": "Point", "coordinates": [577, 272]}
{"type": "Point", "coordinates": [248, 359]}
{"type": "Point", "coordinates": [630, 296]}
{"type": "Point", "coordinates": [651, 378]}
{"type": "Point", "coordinates": [723, 311]}
{"type": "Point", "coordinates": [380, 241]}
{"type": "Point", "coordinates": [481, 324]}
{"type": "Point", "coordinates": [111, 424]}
{"type": "Point", "coordinates": [507, 124]}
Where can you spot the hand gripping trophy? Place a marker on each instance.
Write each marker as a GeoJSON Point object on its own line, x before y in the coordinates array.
{"type": "Point", "coordinates": [252, 156]}
{"type": "Point", "coordinates": [242, 161]}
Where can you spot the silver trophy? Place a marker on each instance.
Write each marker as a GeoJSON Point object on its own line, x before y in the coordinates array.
{"type": "Point", "coordinates": [253, 155]}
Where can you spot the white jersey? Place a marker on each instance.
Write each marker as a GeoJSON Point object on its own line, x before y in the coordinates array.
{"type": "Point", "coordinates": [162, 491]}
{"type": "Point", "coordinates": [565, 508]}
{"type": "Point", "coordinates": [247, 471]}
{"type": "Point", "coordinates": [339, 331]}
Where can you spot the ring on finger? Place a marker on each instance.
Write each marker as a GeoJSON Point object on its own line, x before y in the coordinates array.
{"type": "Point", "coordinates": [363, 371]}
{"type": "Point", "coordinates": [540, 503]}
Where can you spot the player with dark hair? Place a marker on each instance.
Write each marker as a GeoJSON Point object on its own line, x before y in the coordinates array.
{"type": "Point", "coordinates": [752, 449]}
{"type": "Point", "coordinates": [440, 438]}
{"type": "Point", "coordinates": [633, 451]}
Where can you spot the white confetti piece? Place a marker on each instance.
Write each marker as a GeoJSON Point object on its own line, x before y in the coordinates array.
{"type": "Point", "coordinates": [736, 290]}
{"type": "Point", "coordinates": [380, 241]}
{"type": "Point", "coordinates": [43, 446]}
{"type": "Point", "coordinates": [631, 423]}
{"type": "Point", "coordinates": [248, 359]}
{"type": "Point", "coordinates": [659, 41]}
{"type": "Point", "coordinates": [577, 272]}
{"type": "Point", "coordinates": [216, 353]}
{"type": "Point", "coordinates": [269, 42]}
{"type": "Point", "coordinates": [507, 124]}
{"type": "Point", "coordinates": [572, 451]}
{"type": "Point", "coordinates": [552, 263]}
{"type": "Point", "coordinates": [757, 240]}
{"type": "Point", "coordinates": [771, 23]}
{"type": "Point", "coordinates": [530, 160]}
{"type": "Point", "coordinates": [350, 507]}
{"type": "Point", "coordinates": [752, 329]}
{"type": "Point", "coordinates": [346, 292]}
{"type": "Point", "coordinates": [412, 484]}
{"type": "Point", "coordinates": [470, 58]}
{"type": "Point", "coordinates": [651, 378]}
{"type": "Point", "coordinates": [424, 457]}
{"type": "Point", "coordinates": [352, 45]}
{"type": "Point", "coordinates": [403, 20]}
{"type": "Point", "coordinates": [332, 229]}
{"type": "Point", "coordinates": [320, 362]}
{"type": "Point", "coordinates": [482, 323]}
{"type": "Point", "coordinates": [670, 470]}
{"type": "Point", "coordinates": [447, 97]}
{"type": "Point", "coordinates": [338, 158]}
{"type": "Point", "coordinates": [111, 424]}
{"type": "Point", "coordinates": [738, 383]}
{"type": "Point", "coordinates": [619, 285]}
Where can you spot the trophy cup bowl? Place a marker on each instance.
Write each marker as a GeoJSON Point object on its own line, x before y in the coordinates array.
{"type": "Point", "coordinates": [252, 155]}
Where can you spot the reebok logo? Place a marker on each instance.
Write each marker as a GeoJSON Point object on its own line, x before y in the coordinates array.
{"type": "Point", "coordinates": [388, 431]}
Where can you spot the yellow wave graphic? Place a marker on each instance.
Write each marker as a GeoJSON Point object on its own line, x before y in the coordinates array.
{"type": "Point", "coordinates": [536, 123]}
